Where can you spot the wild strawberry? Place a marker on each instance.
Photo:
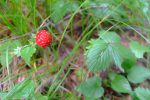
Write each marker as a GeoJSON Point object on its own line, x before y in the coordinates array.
{"type": "Point", "coordinates": [43, 38]}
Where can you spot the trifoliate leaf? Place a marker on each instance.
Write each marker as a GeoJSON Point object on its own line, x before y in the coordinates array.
{"type": "Point", "coordinates": [120, 84]}
{"type": "Point", "coordinates": [142, 93]}
{"type": "Point", "coordinates": [103, 51]}
{"type": "Point", "coordinates": [91, 88]}
{"type": "Point", "coordinates": [138, 74]}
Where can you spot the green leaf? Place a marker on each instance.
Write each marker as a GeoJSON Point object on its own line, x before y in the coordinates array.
{"type": "Point", "coordinates": [91, 88]}
{"type": "Point", "coordinates": [118, 59]}
{"type": "Point", "coordinates": [123, 54]}
{"type": "Point", "coordinates": [142, 93]}
{"type": "Point", "coordinates": [127, 64]}
{"type": "Point", "coordinates": [99, 8]}
{"type": "Point", "coordinates": [61, 8]}
{"type": "Point", "coordinates": [138, 49]}
{"type": "Point", "coordinates": [112, 75]}
{"type": "Point", "coordinates": [134, 97]}
{"type": "Point", "coordinates": [120, 84]}
{"type": "Point", "coordinates": [27, 52]}
{"type": "Point", "coordinates": [109, 37]}
{"type": "Point", "coordinates": [98, 56]}
{"type": "Point", "coordinates": [129, 58]}
{"type": "Point", "coordinates": [138, 74]}
{"type": "Point", "coordinates": [103, 51]}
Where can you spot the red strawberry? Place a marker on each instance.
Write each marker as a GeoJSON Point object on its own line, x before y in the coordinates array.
{"type": "Point", "coordinates": [43, 38]}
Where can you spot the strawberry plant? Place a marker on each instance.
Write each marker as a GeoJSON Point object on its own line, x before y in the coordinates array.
{"type": "Point", "coordinates": [107, 50]}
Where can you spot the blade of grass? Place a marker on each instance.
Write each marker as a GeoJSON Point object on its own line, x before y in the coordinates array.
{"type": "Point", "coordinates": [147, 40]}
{"type": "Point", "coordinates": [8, 71]}
{"type": "Point", "coordinates": [72, 16]}
{"type": "Point", "coordinates": [60, 83]}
